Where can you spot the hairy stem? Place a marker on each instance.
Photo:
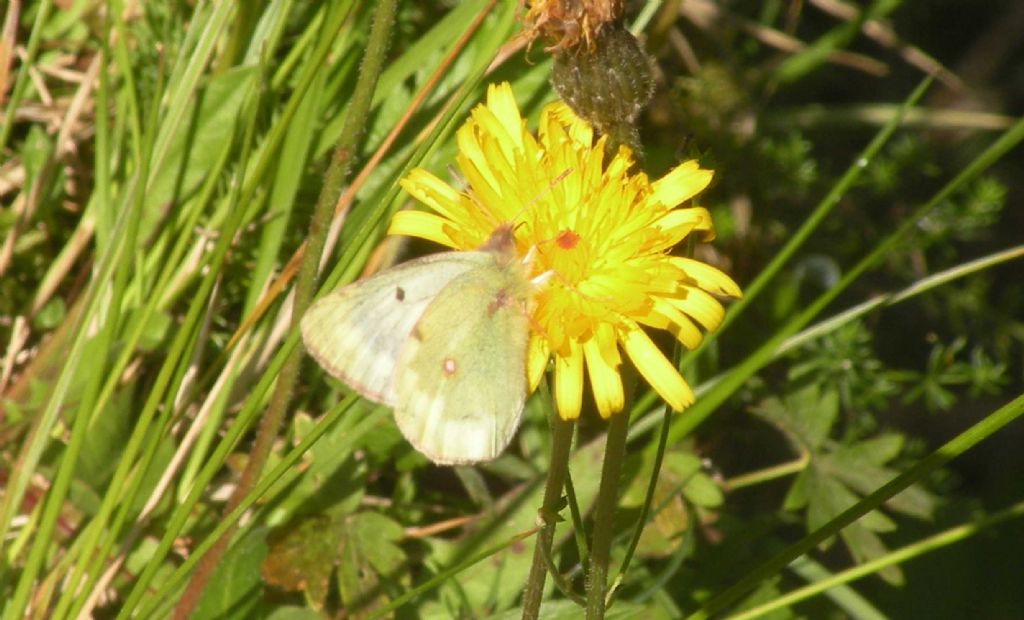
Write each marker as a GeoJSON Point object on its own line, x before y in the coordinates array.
{"type": "Point", "coordinates": [604, 515]}
{"type": "Point", "coordinates": [561, 442]}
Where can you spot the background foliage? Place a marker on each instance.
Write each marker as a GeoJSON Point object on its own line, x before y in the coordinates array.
{"type": "Point", "coordinates": [159, 163]}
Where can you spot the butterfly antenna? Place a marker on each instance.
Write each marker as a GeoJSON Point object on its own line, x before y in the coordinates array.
{"type": "Point", "coordinates": [551, 185]}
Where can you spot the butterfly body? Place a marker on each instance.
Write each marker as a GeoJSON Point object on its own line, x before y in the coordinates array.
{"type": "Point", "coordinates": [442, 340]}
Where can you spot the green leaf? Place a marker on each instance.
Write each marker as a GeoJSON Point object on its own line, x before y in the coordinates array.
{"type": "Point", "coordinates": [807, 414]}
{"type": "Point", "coordinates": [194, 150]}
{"type": "Point", "coordinates": [796, 498]}
{"type": "Point", "coordinates": [378, 536]}
{"type": "Point", "coordinates": [334, 480]}
{"type": "Point", "coordinates": [105, 440]}
{"type": "Point", "coordinates": [155, 332]}
{"type": "Point", "coordinates": [827, 498]}
{"type": "Point", "coordinates": [859, 467]}
{"type": "Point", "coordinates": [301, 559]}
{"type": "Point", "coordinates": [837, 475]}
{"type": "Point", "coordinates": [369, 563]}
{"type": "Point", "coordinates": [234, 589]}
{"type": "Point", "coordinates": [475, 485]}
{"type": "Point", "coordinates": [830, 496]}
{"type": "Point", "coordinates": [702, 491]}
{"type": "Point", "coordinates": [50, 315]}
{"type": "Point", "coordinates": [874, 451]}
{"type": "Point", "coordinates": [363, 547]}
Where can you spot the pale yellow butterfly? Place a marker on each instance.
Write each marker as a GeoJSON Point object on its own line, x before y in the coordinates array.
{"type": "Point", "coordinates": [442, 340]}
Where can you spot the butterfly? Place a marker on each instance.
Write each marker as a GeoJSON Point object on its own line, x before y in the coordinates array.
{"type": "Point", "coordinates": [442, 340]}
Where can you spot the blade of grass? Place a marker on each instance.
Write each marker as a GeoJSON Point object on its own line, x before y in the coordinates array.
{"type": "Point", "coordinates": [39, 435]}
{"type": "Point", "coordinates": [21, 82]}
{"type": "Point", "coordinates": [103, 313]}
{"type": "Point", "coordinates": [950, 450]}
{"type": "Point", "coordinates": [161, 397]}
{"type": "Point", "coordinates": [450, 572]}
{"type": "Point", "coordinates": [921, 286]}
{"type": "Point", "coordinates": [908, 552]}
{"type": "Point", "coordinates": [366, 226]}
{"type": "Point", "coordinates": [684, 424]}
{"type": "Point", "coordinates": [187, 82]}
{"type": "Point", "coordinates": [245, 417]}
{"type": "Point", "coordinates": [141, 441]}
{"type": "Point", "coordinates": [753, 290]}
{"type": "Point", "coordinates": [845, 598]}
{"type": "Point", "coordinates": [833, 323]}
{"type": "Point", "coordinates": [337, 173]}
{"type": "Point", "coordinates": [276, 480]}
{"type": "Point", "coordinates": [817, 53]}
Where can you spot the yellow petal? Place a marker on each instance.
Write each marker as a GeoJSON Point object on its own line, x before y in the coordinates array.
{"type": "Point", "coordinates": [433, 192]}
{"type": "Point", "coordinates": [559, 113]}
{"type": "Point", "coordinates": [680, 184]}
{"type": "Point", "coordinates": [707, 277]}
{"type": "Point", "coordinates": [667, 316]}
{"type": "Point", "coordinates": [536, 361]}
{"type": "Point", "coordinates": [477, 163]}
{"type": "Point", "coordinates": [700, 306]}
{"type": "Point", "coordinates": [569, 382]}
{"type": "Point", "coordinates": [603, 361]}
{"type": "Point", "coordinates": [502, 102]}
{"type": "Point", "coordinates": [423, 225]}
{"type": "Point", "coordinates": [680, 222]}
{"type": "Point", "coordinates": [657, 370]}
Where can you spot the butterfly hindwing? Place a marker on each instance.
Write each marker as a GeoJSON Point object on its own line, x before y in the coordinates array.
{"type": "Point", "coordinates": [357, 332]}
{"type": "Point", "coordinates": [461, 376]}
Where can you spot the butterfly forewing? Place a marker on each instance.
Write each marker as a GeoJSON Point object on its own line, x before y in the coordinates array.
{"type": "Point", "coordinates": [356, 332]}
{"type": "Point", "coordinates": [461, 377]}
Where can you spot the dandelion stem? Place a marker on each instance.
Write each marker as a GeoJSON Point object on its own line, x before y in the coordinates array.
{"type": "Point", "coordinates": [561, 442]}
{"type": "Point", "coordinates": [604, 515]}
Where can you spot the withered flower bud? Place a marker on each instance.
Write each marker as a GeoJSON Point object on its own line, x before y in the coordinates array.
{"type": "Point", "coordinates": [600, 70]}
{"type": "Point", "coordinates": [607, 85]}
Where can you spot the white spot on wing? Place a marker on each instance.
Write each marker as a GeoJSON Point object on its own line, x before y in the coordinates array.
{"type": "Point", "coordinates": [449, 367]}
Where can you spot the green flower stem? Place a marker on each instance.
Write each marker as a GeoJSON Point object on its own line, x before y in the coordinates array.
{"type": "Point", "coordinates": [769, 473]}
{"type": "Point", "coordinates": [561, 442]}
{"type": "Point", "coordinates": [337, 172]}
{"type": "Point", "coordinates": [559, 580]}
{"type": "Point", "coordinates": [604, 514]}
{"type": "Point", "coordinates": [578, 530]}
{"type": "Point", "coordinates": [645, 508]}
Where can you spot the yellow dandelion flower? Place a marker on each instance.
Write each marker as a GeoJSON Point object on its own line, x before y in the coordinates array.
{"type": "Point", "coordinates": [598, 238]}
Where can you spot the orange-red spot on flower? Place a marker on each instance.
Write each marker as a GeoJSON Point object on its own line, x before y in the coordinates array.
{"type": "Point", "coordinates": [567, 239]}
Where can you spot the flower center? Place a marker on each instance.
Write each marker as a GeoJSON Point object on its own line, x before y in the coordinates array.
{"type": "Point", "coordinates": [567, 239]}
